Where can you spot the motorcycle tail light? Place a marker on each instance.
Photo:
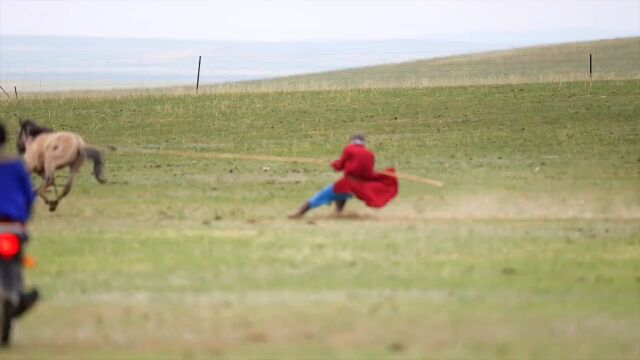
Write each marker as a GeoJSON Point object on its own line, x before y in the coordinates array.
{"type": "Point", "coordinates": [9, 245]}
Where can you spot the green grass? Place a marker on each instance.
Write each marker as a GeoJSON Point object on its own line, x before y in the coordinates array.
{"type": "Point", "coordinates": [531, 250]}
{"type": "Point", "coordinates": [612, 59]}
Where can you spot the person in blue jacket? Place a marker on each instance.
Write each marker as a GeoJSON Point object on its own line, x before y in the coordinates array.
{"type": "Point", "coordinates": [16, 203]}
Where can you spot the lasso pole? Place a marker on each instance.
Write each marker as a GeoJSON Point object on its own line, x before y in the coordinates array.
{"type": "Point", "coordinates": [303, 160]}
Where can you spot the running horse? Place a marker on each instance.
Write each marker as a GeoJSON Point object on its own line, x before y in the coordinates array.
{"type": "Point", "coordinates": [46, 151]}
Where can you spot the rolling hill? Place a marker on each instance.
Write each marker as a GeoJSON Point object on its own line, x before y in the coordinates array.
{"type": "Point", "coordinates": [612, 59]}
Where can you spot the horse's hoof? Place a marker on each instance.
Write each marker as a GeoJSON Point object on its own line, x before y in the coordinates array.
{"type": "Point", "coordinates": [53, 206]}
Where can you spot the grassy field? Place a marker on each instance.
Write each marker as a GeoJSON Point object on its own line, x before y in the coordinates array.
{"type": "Point", "coordinates": [531, 250]}
{"type": "Point", "coordinates": [612, 59]}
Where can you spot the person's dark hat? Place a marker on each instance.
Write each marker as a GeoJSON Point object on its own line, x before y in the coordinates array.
{"type": "Point", "coordinates": [357, 139]}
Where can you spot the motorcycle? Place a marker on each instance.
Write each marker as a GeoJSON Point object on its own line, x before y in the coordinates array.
{"type": "Point", "coordinates": [13, 301]}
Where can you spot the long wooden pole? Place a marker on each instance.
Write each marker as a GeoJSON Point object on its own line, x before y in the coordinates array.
{"type": "Point", "coordinates": [213, 155]}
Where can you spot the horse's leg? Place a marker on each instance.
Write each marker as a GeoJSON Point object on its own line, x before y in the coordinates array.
{"type": "Point", "coordinates": [42, 189]}
{"type": "Point", "coordinates": [55, 188]}
{"type": "Point", "coordinates": [74, 168]}
{"type": "Point", "coordinates": [67, 187]}
{"type": "Point", "coordinates": [48, 179]}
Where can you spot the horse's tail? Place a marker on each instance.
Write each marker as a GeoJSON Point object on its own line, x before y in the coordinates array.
{"type": "Point", "coordinates": [98, 162]}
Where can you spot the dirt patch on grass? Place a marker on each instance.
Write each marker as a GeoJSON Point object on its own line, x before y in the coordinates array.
{"type": "Point", "coordinates": [499, 207]}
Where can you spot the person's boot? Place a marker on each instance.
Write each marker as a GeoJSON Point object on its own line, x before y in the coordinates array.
{"type": "Point", "coordinates": [27, 300]}
{"type": "Point", "coordinates": [305, 207]}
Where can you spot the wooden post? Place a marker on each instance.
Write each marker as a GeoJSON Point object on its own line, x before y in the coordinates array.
{"type": "Point", "coordinates": [15, 88]}
{"type": "Point", "coordinates": [198, 79]}
{"type": "Point", "coordinates": [5, 92]}
{"type": "Point", "coordinates": [590, 67]}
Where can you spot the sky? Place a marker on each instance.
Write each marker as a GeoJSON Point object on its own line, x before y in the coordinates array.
{"type": "Point", "coordinates": [279, 21]}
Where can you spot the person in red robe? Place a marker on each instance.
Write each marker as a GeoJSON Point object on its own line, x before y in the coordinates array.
{"type": "Point", "coordinates": [359, 180]}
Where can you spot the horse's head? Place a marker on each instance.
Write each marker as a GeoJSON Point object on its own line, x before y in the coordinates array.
{"type": "Point", "coordinates": [21, 139]}
{"type": "Point", "coordinates": [3, 135]}
{"type": "Point", "coordinates": [28, 131]}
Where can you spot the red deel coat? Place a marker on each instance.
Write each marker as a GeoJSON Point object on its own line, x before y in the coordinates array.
{"type": "Point", "coordinates": [375, 189]}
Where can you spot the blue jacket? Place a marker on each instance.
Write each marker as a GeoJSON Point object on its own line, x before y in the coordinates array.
{"type": "Point", "coordinates": [16, 193]}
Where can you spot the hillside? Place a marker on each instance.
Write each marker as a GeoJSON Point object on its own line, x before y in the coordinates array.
{"type": "Point", "coordinates": [612, 59]}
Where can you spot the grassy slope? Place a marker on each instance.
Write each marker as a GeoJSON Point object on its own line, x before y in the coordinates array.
{"type": "Point", "coordinates": [612, 59]}
{"type": "Point", "coordinates": [531, 250]}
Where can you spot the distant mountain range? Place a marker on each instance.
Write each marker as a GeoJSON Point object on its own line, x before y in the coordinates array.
{"type": "Point", "coordinates": [61, 63]}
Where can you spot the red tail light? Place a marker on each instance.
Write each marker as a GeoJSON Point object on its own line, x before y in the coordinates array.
{"type": "Point", "coordinates": [9, 245]}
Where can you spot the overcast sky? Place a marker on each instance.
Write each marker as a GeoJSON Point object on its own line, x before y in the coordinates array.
{"type": "Point", "coordinates": [313, 20]}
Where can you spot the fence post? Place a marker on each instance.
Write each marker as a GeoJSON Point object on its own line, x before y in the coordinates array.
{"type": "Point", "coordinates": [15, 88]}
{"type": "Point", "coordinates": [198, 79]}
{"type": "Point", "coordinates": [590, 67]}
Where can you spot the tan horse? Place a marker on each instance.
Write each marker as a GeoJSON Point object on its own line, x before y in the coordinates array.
{"type": "Point", "coordinates": [46, 151]}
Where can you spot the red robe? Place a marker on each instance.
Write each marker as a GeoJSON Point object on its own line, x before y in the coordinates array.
{"type": "Point", "coordinates": [375, 189]}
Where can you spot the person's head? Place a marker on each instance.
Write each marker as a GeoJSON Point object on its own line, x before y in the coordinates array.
{"type": "Point", "coordinates": [357, 139]}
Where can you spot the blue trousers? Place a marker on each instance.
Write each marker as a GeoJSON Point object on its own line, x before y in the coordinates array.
{"type": "Point", "coordinates": [326, 196]}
